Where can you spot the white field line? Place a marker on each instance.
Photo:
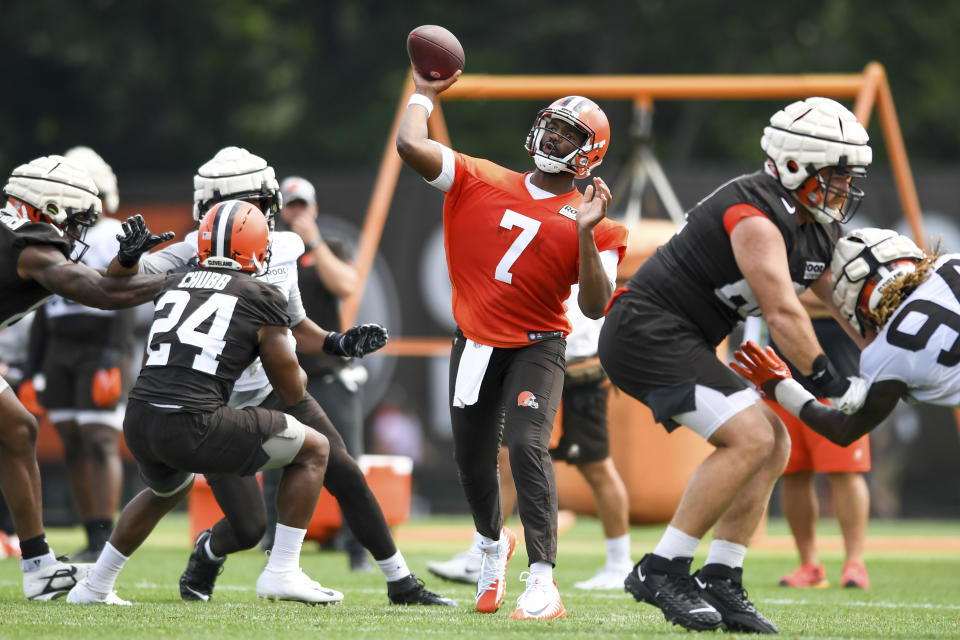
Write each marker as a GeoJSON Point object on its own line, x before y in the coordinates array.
{"type": "Point", "coordinates": [610, 595]}
{"type": "Point", "coordinates": [862, 603]}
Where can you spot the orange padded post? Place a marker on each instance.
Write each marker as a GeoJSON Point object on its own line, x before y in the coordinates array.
{"type": "Point", "coordinates": [868, 88]}
{"type": "Point", "coordinates": [654, 467]}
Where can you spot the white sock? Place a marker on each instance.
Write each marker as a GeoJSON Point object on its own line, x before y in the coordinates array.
{"type": "Point", "coordinates": [542, 570]}
{"type": "Point", "coordinates": [475, 553]}
{"type": "Point", "coordinates": [394, 568]}
{"type": "Point", "coordinates": [618, 551]}
{"type": "Point", "coordinates": [39, 562]}
{"type": "Point", "coordinates": [285, 555]}
{"type": "Point", "coordinates": [726, 553]}
{"type": "Point", "coordinates": [105, 571]}
{"type": "Point", "coordinates": [485, 543]}
{"type": "Point", "coordinates": [478, 539]}
{"type": "Point", "coordinates": [676, 544]}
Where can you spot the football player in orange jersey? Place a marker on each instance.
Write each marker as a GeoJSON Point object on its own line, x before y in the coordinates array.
{"type": "Point", "coordinates": [515, 243]}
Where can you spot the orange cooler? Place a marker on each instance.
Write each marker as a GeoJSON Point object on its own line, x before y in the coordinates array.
{"type": "Point", "coordinates": [389, 478]}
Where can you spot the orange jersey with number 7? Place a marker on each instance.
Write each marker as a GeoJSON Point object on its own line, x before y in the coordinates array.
{"type": "Point", "coordinates": [512, 258]}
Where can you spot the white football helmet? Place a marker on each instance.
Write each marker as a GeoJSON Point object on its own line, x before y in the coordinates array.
{"type": "Point", "coordinates": [53, 189]}
{"type": "Point", "coordinates": [236, 174]}
{"type": "Point", "coordinates": [101, 173]}
{"type": "Point", "coordinates": [864, 263]}
{"type": "Point", "coordinates": [808, 143]}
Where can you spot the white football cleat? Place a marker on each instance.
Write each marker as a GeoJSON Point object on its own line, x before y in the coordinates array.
{"type": "Point", "coordinates": [540, 601]}
{"type": "Point", "coordinates": [83, 594]}
{"type": "Point", "coordinates": [607, 578]}
{"type": "Point", "coordinates": [463, 567]}
{"type": "Point", "coordinates": [493, 570]}
{"type": "Point", "coordinates": [53, 580]}
{"type": "Point", "coordinates": [296, 586]}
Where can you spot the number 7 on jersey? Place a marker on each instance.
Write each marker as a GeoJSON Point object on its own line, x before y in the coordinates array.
{"type": "Point", "coordinates": [530, 227]}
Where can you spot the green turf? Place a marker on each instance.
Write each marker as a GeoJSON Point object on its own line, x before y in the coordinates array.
{"type": "Point", "coordinates": [914, 595]}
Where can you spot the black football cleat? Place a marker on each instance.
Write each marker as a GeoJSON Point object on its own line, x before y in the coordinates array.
{"type": "Point", "coordinates": [196, 583]}
{"type": "Point", "coordinates": [667, 585]}
{"type": "Point", "coordinates": [722, 586]}
{"type": "Point", "coordinates": [410, 590]}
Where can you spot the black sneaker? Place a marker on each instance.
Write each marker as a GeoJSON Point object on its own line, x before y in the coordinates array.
{"type": "Point", "coordinates": [667, 584]}
{"type": "Point", "coordinates": [722, 586]}
{"type": "Point", "coordinates": [410, 590]}
{"type": "Point", "coordinates": [197, 581]}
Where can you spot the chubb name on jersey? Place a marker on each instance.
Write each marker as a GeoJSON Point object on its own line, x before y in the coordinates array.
{"type": "Point", "coordinates": [205, 280]}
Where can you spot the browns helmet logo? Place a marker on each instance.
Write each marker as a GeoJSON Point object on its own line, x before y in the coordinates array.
{"type": "Point", "coordinates": [527, 399]}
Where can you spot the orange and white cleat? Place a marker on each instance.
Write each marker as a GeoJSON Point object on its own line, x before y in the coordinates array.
{"type": "Point", "coordinates": [807, 576]}
{"type": "Point", "coordinates": [493, 571]}
{"type": "Point", "coordinates": [540, 601]}
{"type": "Point", "coordinates": [855, 576]}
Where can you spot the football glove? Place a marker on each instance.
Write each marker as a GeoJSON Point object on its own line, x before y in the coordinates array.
{"type": "Point", "coordinates": [825, 380]}
{"type": "Point", "coordinates": [357, 341]}
{"type": "Point", "coordinates": [136, 240]}
{"type": "Point", "coordinates": [764, 369]}
{"type": "Point", "coordinates": [106, 388]}
{"type": "Point", "coordinates": [772, 376]}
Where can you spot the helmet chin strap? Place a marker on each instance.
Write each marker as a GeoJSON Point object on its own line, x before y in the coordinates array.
{"type": "Point", "coordinates": [548, 165]}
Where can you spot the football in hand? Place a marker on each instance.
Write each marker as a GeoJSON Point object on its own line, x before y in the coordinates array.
{"type": "Point", "coordinates": [435, 52]}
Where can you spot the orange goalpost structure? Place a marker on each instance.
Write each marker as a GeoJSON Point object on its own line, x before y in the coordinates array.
{"type": "Point", "coordinates": [868, 89]}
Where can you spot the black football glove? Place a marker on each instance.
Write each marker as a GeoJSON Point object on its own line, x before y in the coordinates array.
{"type": "Point", "coordinates": [136, 240]}
{"type": "Point", "coordinates": [356, 342]}
{"type": "Point", "coordinates": [827, 383]}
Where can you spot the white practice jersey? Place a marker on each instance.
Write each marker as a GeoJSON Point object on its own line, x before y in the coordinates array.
{"type": "Point", "coordinates": [102, 240]}
{"type": "Point", "coordinates": [585, 332]}
{"type": "Point", "coordinates": [920, 343]}
{"type": "Point", "coordinates": [286, 248]}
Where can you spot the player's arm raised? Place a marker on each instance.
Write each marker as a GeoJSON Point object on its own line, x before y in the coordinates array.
{"type": "Point", "coordinates": [413, 143]}
{"type": "Point", "coordinates": [595, 288]}
{"type": "Point", "coordinates": [47, 266]}
{"type": "Point", "coordinates": [281, 365]}
{"type": "Point", "coordinates": [135, 241]}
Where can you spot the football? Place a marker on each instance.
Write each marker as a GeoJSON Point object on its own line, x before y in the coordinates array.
{"type": "Point", "coordinates": [435, 52]}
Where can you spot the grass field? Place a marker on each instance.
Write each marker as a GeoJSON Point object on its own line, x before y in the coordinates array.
{"type": "Point", "coordinates": [914, 567]}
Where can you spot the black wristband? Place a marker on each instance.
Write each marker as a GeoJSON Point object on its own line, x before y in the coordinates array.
{"type": "Point", "coordinates": [126, 261]}
{"type": "Point", "coordinates": [825, 380]}
{"type": "Point", "coordinates": [333, 344]}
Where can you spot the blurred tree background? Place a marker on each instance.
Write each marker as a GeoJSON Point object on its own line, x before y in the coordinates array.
{"type": "Point", "coordinates": [159, 86]}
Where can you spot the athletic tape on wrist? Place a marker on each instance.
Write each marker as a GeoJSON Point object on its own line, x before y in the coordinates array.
{"type": "Point", "coordinates": [791, 395]}
{"type": "Point", "coordinates": [423, 101]}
